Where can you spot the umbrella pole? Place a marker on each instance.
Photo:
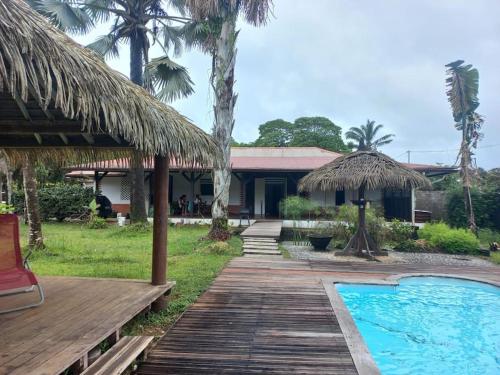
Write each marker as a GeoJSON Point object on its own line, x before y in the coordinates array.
{"type": "Point", "coordinates": [361, 244]}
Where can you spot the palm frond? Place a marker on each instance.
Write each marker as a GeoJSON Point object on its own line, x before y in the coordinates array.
{"type": "Point", "coordinates": [42, 64]}
{"type": "Point", "coordinates": [463, 87]}
{"type": "Point", "coordinates": [105, 46]}
{"type": "Point", "coordinates": [168, 79]}
{"type": "Point", "coordinates": [64, 15]}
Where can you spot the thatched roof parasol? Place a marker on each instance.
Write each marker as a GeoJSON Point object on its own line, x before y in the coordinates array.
{"type": "Point", "coordinates": [47, 79]}
{"type": "Point", "coordinates": [371, 168]}
{"type": "Point", "coordinates": [360, 171]}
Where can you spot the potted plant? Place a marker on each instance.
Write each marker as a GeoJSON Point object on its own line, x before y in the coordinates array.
{"type": "Point", "coordinates": [320, 238]}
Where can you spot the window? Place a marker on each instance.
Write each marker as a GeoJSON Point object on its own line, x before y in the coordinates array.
{"type": "Point", "coordinates": [339, 197]}
{"type": "Point", "coordinates": [206, 187]}
{"type": "Point", "coordinates": [125, 188]}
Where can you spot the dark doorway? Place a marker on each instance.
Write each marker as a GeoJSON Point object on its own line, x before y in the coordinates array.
{"type": "Point", "coordinates": [275, 192]}
{"type": "Point", "coordinates": [397, 204]}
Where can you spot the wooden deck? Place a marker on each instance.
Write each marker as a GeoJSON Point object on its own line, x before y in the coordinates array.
{"type": "Point", "coordinates": [77, 315]}
{"type": "Point", "coordinates": [263, 229]}
{"type": "Point", "coordinates": [275, 316]}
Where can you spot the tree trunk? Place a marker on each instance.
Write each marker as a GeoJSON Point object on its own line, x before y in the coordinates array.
{"type": "Point", "coordinates": [222, 81]}
{"type": "Point", "coordinates": [138, 212]}
{"type": "Point", "coordinates": [465, 162]}
{"type": "Point", "coordinates": [35, 238]}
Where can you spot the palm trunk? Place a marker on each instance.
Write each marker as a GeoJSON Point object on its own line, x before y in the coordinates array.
{"type": "Point", "coordinates": [35, 238]}
{"type": "Point", "coordinates": [222, 83]}
{"type": "Point", "coordinates": [465, 162]}
{"type": "Point", "coordinates": [137, 190]}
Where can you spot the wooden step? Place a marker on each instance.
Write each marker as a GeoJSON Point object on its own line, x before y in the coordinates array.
{"type": "Point", "coordinates": [247, 247]}
{"type": "Point", "coordinates": [260, 243]}
{"type": "Point", "coordinates": [117, 359]}
{"type": "Point", "coordinates": [257, 239]}
{"type": "Point", "coordinates": [263, 252]}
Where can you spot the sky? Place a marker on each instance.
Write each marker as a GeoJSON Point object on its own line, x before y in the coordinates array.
{"type": "Point", "coordinates": [353, 60]}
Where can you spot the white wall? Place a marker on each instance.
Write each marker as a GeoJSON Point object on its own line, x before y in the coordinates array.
{"type": "Point", "coordinates": [111, 188]}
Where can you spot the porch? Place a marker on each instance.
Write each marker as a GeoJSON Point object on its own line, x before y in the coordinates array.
{"type": "Point", "coordinates": [78, 315]}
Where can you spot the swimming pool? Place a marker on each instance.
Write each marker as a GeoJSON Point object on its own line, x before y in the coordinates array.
{"type": "Point", "coordinates": [429, 325]}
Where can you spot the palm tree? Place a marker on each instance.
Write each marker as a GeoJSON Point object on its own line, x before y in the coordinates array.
{"type": "Point", "coordinates": [214, 31]}
{"type": "Point", "coordinates": [364, 136]}
{"type": "Point", "coordinates": [463, 86]}
{"type": "Point", "coordinates": [35, 237]}
{"type": "Point", "coordinates": [140, 23]}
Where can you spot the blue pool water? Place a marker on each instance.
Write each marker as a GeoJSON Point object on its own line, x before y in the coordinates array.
{"type": "Point", "coordinates": [429, 325]}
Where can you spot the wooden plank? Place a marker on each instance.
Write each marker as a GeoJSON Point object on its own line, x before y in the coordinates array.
{"type": "Point", "coordinates": [117, 359]}
{"type": "Point", "coordinates": [78, 314]}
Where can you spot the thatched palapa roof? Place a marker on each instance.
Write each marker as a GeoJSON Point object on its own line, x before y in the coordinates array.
{"type": "Point", "coordinates": [373, 169]}
{"type": "Point", "coordinates": [59, 99]}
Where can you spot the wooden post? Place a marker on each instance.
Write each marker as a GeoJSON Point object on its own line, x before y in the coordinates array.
{"type": "Point", "coordinates": [160, 226]}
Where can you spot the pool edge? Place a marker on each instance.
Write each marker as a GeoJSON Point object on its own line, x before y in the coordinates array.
{"type": "Point", "coordinates": [361, 356]}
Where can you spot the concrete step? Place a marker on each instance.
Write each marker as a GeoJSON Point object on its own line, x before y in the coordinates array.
{"type": "Point", "coordinates": [261, 252]}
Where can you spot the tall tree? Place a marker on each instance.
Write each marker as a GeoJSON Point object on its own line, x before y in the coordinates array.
{"type": "Point", "coordinates": [138, 23]}
{"type": "Point", "coordinates": [214, 30]}
{"type": "Point", "coordinates": [275, 133]}
{"type": "Point", "coordinates": [364, 137]}
{"type": "Point", "coordinates": [463, 87]}
{"type": "Point", "coordinates": [318, 131]}
{"type": "Point", "coordinates": [35, 236]}
{"type": "Point", "coordinates": [304, 131]}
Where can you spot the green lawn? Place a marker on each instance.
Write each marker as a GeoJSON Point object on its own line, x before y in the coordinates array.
{"type": "Point", "coordinates": [120, 253]}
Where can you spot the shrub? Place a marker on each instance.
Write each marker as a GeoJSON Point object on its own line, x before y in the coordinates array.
{"type": "Point", "coordinates": [410, 245]}
{"type": "Point", "coordinates": [6, 208]}
{"type": "Point", "coordinates": [486, 203]}
{"type": "Point", "coordinates": [347, 224]}
{"type": "Point", "coordinates": [400, 231]}
{"type": "Point", "coordinates": [296, 208]}
{"type": "Point", "coordinates": [59, 201]}
{"type": "Point", "coordinates": [487, 236]}
{"type": "Point", "coordinates": [218, 248]}
{"type": "Point", "coordinates": [94, 221]}
{"type": "Point", "coordinates": [449, 240]}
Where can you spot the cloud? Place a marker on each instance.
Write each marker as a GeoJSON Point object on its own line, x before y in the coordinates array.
{"type": "Point", "coordinates": [354, 60]}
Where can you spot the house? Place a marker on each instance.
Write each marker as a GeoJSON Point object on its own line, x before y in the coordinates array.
{"type": "Point", "coordinates": [261, 178]}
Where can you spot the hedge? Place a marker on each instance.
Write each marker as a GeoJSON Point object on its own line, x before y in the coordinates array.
{"type": "Point", "coordinates": [58, 201]}
{"type": "Point", "coordinates": [486, 204]}
{"type": "Point", "coordinates": [443, 238]}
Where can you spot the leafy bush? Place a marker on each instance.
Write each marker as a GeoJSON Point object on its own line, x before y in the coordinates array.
{"type": "Point", "coordinates": [400, 232]}
{"type": "Point", "coordinates": [410, 245]}
{"type": "Point", "coordinates": [449, 240]}
{"type": "Point", "coordinates": [487, 236]}
{"type": "Point", "coordinates": [59, 201]}
{"type": "Point", "coordinates": [218, 248]}
{"type": "Point", "coordinates": [94, 221]}
{"type": "Point", "coordinates": [296, 207]}
{"type": "Point", "coordinates": [6, 208]}
{"type": "Point", "coordinates": [347, 224]}
{"type": "Point", "coordinates": [486, 203]}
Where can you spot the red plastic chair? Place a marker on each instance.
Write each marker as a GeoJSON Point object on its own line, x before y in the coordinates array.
{"type": "Point", "coordinates": [15, 275]}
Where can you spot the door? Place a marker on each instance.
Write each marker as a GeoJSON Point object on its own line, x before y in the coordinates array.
{"type": "Point", "coordinates": [274, 193]}
{"type": "Point", "coordinates": [397, 204]}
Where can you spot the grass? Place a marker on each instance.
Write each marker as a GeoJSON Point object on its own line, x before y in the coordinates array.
{"type": "Point", "coordinates": [73, 250]}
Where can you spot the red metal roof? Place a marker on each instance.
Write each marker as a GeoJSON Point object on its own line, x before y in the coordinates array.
{"type": "Point", "coordinates": [300, 159]}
